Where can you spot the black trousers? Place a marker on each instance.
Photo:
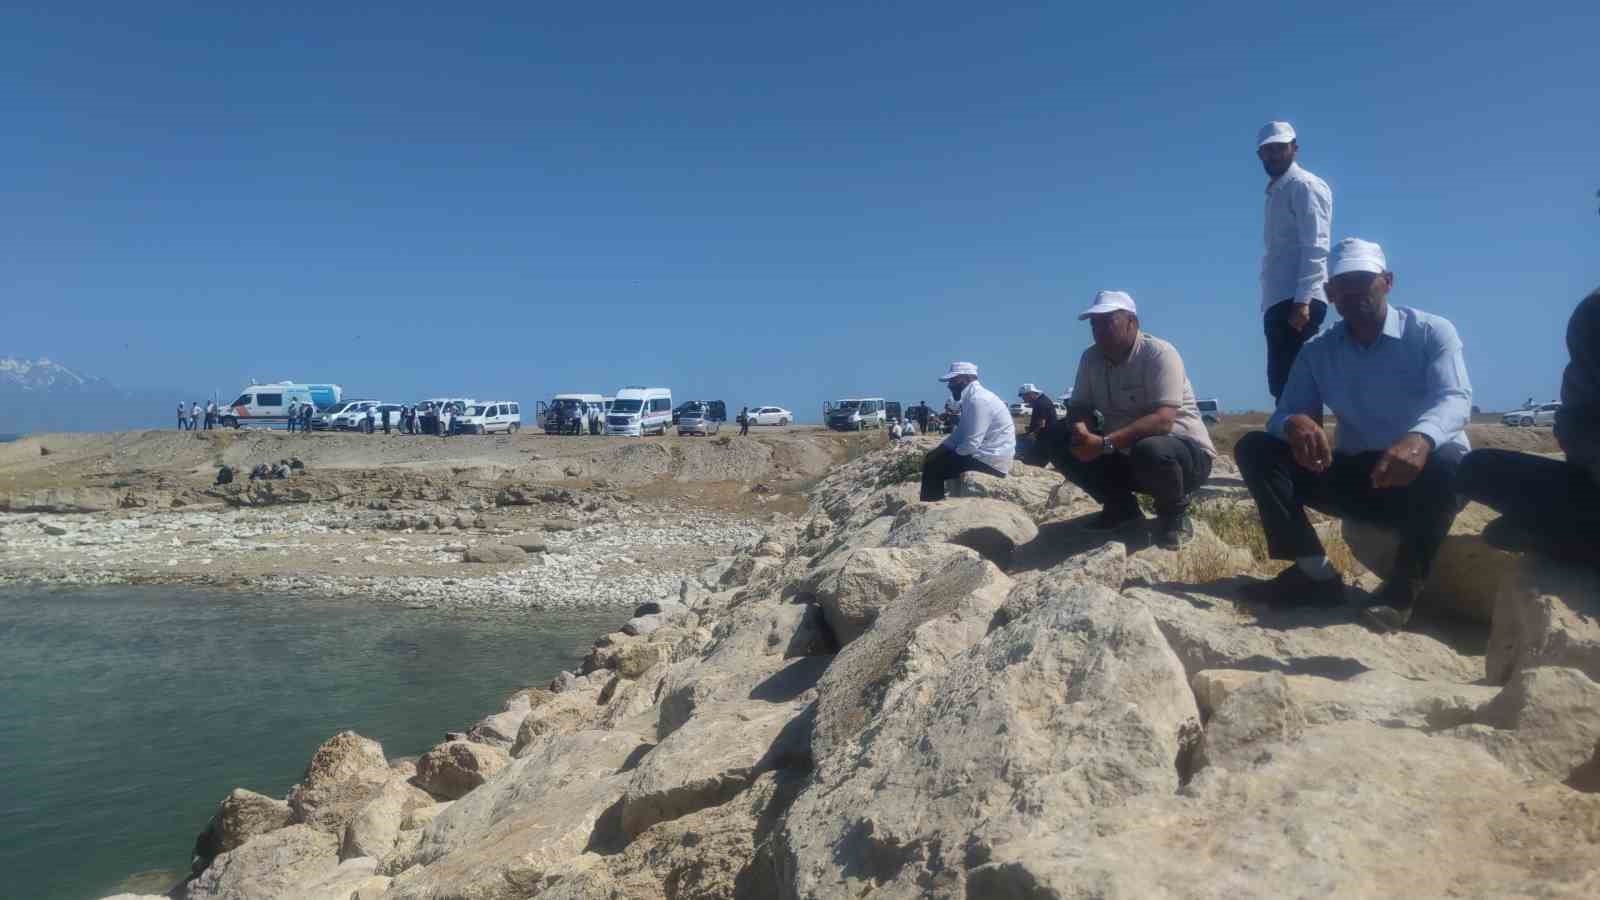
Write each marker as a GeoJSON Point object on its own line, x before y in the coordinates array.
{"type": "Point", "coordinates": [943, 463]}
{"type": "Point", "coordinates": [1555, 502]}
{"type": "Point", "coordinates": [1421, 512]}
{"type": "Point", "coordinates": [1284, 343]}
{"type": "Point", "coordinates": [1167, 467]}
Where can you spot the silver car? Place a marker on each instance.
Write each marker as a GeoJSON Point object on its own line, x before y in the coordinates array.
{"type": "Point", "coordinates": [1543, 414]}
{"type": "Point", "coordinates": [697, 420]}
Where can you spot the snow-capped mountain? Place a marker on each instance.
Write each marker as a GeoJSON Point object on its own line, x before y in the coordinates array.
{"type": "Point", "coordinates": [44, 395]}
{"type": "Point", "coordinates": [43, 374]}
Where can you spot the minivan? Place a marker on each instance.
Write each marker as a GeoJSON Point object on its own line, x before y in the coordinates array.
{"type": "Point", "coordinates": [1209, 412]}
{"type": "Point", "coordinates": [268, 404]}
{"type": "Point", "coordinates": [855, 414]}
{"type": "Point", "coordinates": [638, 411]}
{"type": "Point", "coordinates": [490, 417]}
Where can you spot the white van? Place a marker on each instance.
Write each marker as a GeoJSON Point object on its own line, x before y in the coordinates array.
{"type": "Point", "coordinates": [855, 414]}
{"type": "Point", "coordinates": [268, 404]}
{"type": "Point", "coordinates": [638, 411]}
{"type": "Point", "coordinates": [490, 417]}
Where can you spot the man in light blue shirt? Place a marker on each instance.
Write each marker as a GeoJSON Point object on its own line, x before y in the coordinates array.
{"type": "Point", "coordinates": [1395, 379]}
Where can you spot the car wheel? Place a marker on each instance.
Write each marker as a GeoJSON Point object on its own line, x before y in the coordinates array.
{"type": "Point", "coordinates": [514, 428]}
{"type": "Point", "coordinates": [1527, 423]}
{"type": "Point", "coordinates": [782, 422]}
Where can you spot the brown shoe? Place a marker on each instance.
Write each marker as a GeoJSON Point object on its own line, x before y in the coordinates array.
{"type": "Point", "coordinates": [1294, 588]}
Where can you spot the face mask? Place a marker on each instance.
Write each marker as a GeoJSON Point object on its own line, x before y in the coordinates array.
{"type": "Point", "coordinates": [956, 389]}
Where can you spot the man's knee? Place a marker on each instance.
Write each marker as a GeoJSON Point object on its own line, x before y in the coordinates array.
{"type": "Point", "coordinates": [1481, 469]}
{"type": "Point", "coordinates": [1258, 451]}
{"type": "Point", "coordinates": [1160, 450]}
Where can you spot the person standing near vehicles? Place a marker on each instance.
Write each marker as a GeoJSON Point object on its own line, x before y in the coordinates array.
{"type": "Point", "coordinates": [1294, 264]}
{"type": "Point", "coordinates": [183, 420]}
{"type": "Point", "coordinates": [294, 414]}
{"type": "Point", "coordinates": [744, 421]}
{"type": "Point", "coordinates": [371, 420]}
{"type": "Point", "coordinates": [444, 420]}
{"type": "Point", "coordinates": [194, 416]}
{"type": "Point", "coordinates": [305, 416]}
{"type": "Point", "coordinates": [385, 413]}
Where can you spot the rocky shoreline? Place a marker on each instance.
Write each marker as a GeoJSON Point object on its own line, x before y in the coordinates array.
{"type": "Point", "coordinates": [976, 699]}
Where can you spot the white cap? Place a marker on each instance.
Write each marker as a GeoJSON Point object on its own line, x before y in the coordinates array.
{"type": "Point", "coordinates": [1028, 388]}
{"type": "Point", "coordinates": [960, 368]}
{"type": "Point", "coordinates": [1275, 133]}
{"type": "Point", "coordinates": [1356, 255]}
{"type": "Point", "coordinates": [1109, 301]}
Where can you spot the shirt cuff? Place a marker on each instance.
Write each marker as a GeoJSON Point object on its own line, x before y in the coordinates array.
{"type": "Point", "coordinates": [1431, 432]}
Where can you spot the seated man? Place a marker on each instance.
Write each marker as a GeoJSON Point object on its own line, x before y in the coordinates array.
{"type": "Point", "coordinates": [1042, 415]}
{"type": "Point", "coordinates": [984, 441]}
{"type": "Point", "coordinates": [1395, 379]}
{"type": "Point", "coordinates": [1546, 504]}
{"type": "Point", "coordinates": [1153, 440]}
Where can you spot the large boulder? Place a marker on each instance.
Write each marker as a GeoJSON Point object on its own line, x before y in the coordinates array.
{"type": "Point", "coordinates": [353, 879]}
{"type": "Point", "coordinates": [917, 634]}
{"type": "Point", "coordinates": [994, 528]}
{"type": "Point", "coordinates": [495, 553]}
{"type": "Point", "coordinates": [1547, 613]}
{"type": "Point", "coordinates": [1465, 577]}
{"type": "Point", "coordinates": [542, 810]}
{"type": "Point", "coordinates": [60, 500]}
{"type": "Point", "coordinates": [1543, 725]}
{"type": "Point", "coordinates": [500, 729]}
{"type": "Point", "coordinates": [713, 757]}
{"type": "Point", "coordinates": [1352, 809]}
{"type": "Point", "coordinates": [270, 866]}
{"type": "Point", "coordinates": [240, 816]}
{"type": "Point", "coordinates": [1370, 696]}
{"type": "Point", "coordinates": [1212, 630]}
{"type": "Point", "coordinates": [1105, 564]}
{"type": "Point", "coordinates": [864, 581]}
{"type": "Point", "coordinates": [373, 831]}
{"type": "Point", "coordinates": [1252, 719]}
{"type": "Point", "coordinates": [455, 768]}
{"type": "Point", "coordinates": [344, 773]}
{"type": "Point", "coordinates": [1079, 706]}
{"type": "Point", "coordinates": [1026, 486]}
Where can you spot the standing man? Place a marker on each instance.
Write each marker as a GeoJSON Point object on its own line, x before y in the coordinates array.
{"type": "Point", "coordinates": [294, 415]}
{"type": "Point", "coordinates": [183, 420]}
{"type": "Point", "coordinates": [985, 440]}
{"type": "Point", "coordinates": [194, 416]}
{"type": "Point", "coordinates": [385, 413]}
{"type": "Point", "coordinates": [1299, 223]}
{"type": "Point", "coordinates": [444, 420]}
{"type": "Point", "coordinates": [1551, 505]}
{"type": "Point", "coordinates": [744, 421]}
{"type": "Point", "coordinates": [306, 411]}
{"type": "Point", "coordinates": [371, 418]}
{"type": "Point", "coordinates": [1395, 378]}
{"type": "Point", "coordinates": [1154, 441]}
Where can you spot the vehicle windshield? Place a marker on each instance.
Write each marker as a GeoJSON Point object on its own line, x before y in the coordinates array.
{"type": "Point", "coordinates": [694, 409]}
{"type": "Point", "coordinates": [627, 407]}
{"type": "Point", "coordinates": [848, 404]}
{"type": "Point", "coordinates": [340, 408]}
{"type": "Point", "coordinates": [477, 410]}
{"type": "Point", "coordinates": [1207, 405]}
{"type": "Point", "coordinates": [244, 400]}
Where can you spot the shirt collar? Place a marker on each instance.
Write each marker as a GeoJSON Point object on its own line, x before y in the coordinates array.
{"type": "Point", "coordinates": [1288, 175]}
{"type": "Point", "coordinates": [1392, 327]}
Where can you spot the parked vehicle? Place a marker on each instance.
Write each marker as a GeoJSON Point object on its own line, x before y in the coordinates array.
{"type": "Point", "coordinates": [490, 417]}
{"type": "Point", "coordinates": [892, 412]}
{"type": "Point", "coordinates": [268, 404]}
{"type": "Point", "coordinates": [697, 419]}
{"type": "Point", "coordinates": [1020, 409]}
{"type": "Point", "coordinates": [1210, 411]}
{"type": "Point", "coordinates": [1541, 414]}
{"type": "Point", "coordinates": [715, 409]}
{"type": "Point", "coordinates": [353, 417]}
{"type": "Point", "coordinates": [428, 412]}
{"type": "Point", "coordinates": [323, 421]}
{"type": "Point", "coordinates": [770, 415]}
{"type": "Point", "coordinates": [855, 414]}
{"type": "Point", "coordinates": [640, 410]}
{"type": "Point", "coordinates": [570, 413]}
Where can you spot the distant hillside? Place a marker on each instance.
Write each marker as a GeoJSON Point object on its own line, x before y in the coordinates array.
{"type": "Point", "coordinates": [43, 395]}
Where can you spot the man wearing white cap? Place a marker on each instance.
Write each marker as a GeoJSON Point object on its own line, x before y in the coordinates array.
{"type": "Point", "coordinates": [1395, 378]}
{"type": "Point", "coordinates": [1154, 441]}
{"type": "Point", "coordinates": [984, 441]}
{"type": "Point", "coordinates": [1299, 224]}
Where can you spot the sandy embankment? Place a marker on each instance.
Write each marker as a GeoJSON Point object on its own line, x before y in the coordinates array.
{"type": "Point", "coordinates": [391, 519]}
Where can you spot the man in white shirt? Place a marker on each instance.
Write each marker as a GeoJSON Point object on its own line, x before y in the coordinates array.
{"type": "Point", "coordinates": [1294, 266]}
{"type": "Point", "coordinates": [984, 441]}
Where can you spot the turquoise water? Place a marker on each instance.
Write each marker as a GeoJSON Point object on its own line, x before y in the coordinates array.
{"type": "Point", "coordinates": [127, 713]}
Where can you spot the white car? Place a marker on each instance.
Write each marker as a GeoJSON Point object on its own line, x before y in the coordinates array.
{"type": "Point", "coordinates": [1543, 414]}
{"type": "Point", "coordinates": [770, 415]}
{"type": "Point", "coordinates": [1020, 409]}
{"type": "Point", "coordinates": [490, 417]}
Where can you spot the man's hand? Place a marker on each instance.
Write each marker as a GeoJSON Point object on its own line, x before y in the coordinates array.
{"type": "Point", "coordinates": [1299, 316]}
{"type": "Point", "coordinates": [1308, 442]}
{"type": "Point", "coordinates": [1401, 464]}
{"type": "Point", "coordinates": [1085, 444]}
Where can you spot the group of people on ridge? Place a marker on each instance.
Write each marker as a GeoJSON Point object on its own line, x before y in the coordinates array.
{"type": "Point", "coordinates": [190, 420]}
{"type": "Point", "coordinates": [1394, 377]}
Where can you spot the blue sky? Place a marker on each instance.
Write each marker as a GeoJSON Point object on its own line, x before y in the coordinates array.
{"type": "Point", "coordinates": [765, 205]}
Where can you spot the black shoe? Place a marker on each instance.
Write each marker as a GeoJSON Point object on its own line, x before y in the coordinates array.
{"type": "Point", "coordinates": [1114, 519]}
{"type": "Point", "coordinates": [1174, 532]}
{"type": "Point", "coordinates": [1504, 534]}
{"type": "Point", "coordinates": [1293, 587]}
{"type": "Point", "coordinates": [1392, 612]}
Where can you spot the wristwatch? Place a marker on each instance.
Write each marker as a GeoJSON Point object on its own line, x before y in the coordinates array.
{"type": "Point", "coordinates": [1106, 447]}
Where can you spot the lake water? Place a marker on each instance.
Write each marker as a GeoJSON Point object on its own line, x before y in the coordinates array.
{"type": "Point", "coordinates": [127, 713]}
